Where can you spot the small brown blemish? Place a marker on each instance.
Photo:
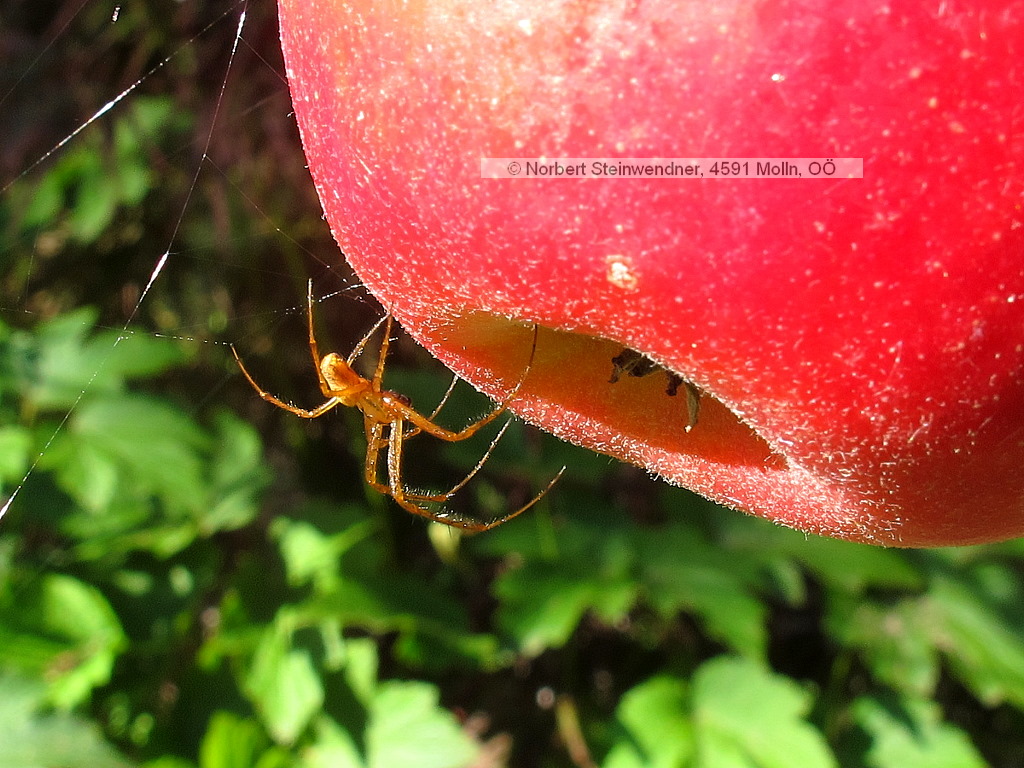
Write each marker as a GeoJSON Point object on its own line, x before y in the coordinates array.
{"type": "Point", "coordinates": [621, 272]}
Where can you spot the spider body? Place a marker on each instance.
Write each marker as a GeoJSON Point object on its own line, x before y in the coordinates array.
{"type": "Point", "coordinates": [389, 420]}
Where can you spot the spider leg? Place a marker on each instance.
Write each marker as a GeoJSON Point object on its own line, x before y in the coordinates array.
{"type": "Point", "coordinates": [406, 500]}
{"type": "Point", "coordinates": [433, 414]}
{"type": "Point", "coordinates": [382, 357]}
{"type": "Point", "coordinates": [396, 489]}
{"type": "Point", "coordinates": [378, 376]}
{"type": "Point", "coordinates": [447, 394]}
{"type": "Point", "coordinates": [505, 518]}
{"type": "Point", "coordinates": [363, 341]}
{"type": "Point", "coordinates": [483, 460]}
{"type": "Point", "coordinates": [375, 441]}
{"type": "Point", "coordinates": [425, 424]}
{"type": "Point", "coordinates": [312, 333]}
{"type": "Point", "coordinates": [312, 413]}
{"type": "Point", "coordinates": [443, 497]}
{"type": "Point", "coordinates": [325, 386]}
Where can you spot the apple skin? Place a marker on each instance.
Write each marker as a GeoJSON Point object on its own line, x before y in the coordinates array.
{"type": "Point", "coordinates": [860, 342]}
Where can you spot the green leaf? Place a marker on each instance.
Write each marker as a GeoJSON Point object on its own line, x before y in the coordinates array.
{"type": "Point", "coordinates": [238, 474]}
{"type": "Point", "coordinates": [32, 739]}
{"type": "Point", "coordinates": [15, 452]}
{"type": "Point", "coordinates": [361, 668]}
{"type": "Point", "coordinates": [983, 634]}
{"type": "Point", "coordinates": [541, 607]}
{"type": "Point", "coordinates": [307, 552]}
{"type": "Point", "coordinates": [169, 762]}
{"type": "Point", "coordinates": [44, 203]}
{"type": "Point", "coordinates": [407, 729]}
{"type": "Point", "coordinates": [239, 452]}
{"type": "Point", "coordinates": [73, 634]}
{"type": "Point", "coordinates": [88, 473]}
{"type": "Point", "coordinates": [841, 564]}
{"type": "Point", "coordinates": [95, 200]}
{"type": "Point", "coordinates": [158, 447]}
{"type": "Point", "coordinates": [736, 714]}
{"type": "Point", "coordinates": [747, 716]}
{"type": "Point", "coordinates": [309, 555]}
{"type": "Point", "coordinates": [910, 733]}
{"type": "Point", "coordinates": [681, 570]}
{"type": "Point", "coordinates": [332, 747]}
{"type": "Point", "coordinates": [432, 633]}
{"type": "Point", "coordinates": [50, 367]}
{"type": "Point", "coordinates": [856, 567]}
{"type": "Point", "coordinates": [80, 613]}
{"type": "Point", "coordinates": [284, 685]}
{"type": "Point", "coordinates": [133, 356]}
{"type": "Point", "coordinates": [61, 361]}
{"type": "Point", "coordinates": [658, 729]}
{"type": "Point", "coordinates": [140, 471]}
{"type": "Point", "coordinates": [231, 742]}
{"type": "Point", "coordinates": [896, 640]}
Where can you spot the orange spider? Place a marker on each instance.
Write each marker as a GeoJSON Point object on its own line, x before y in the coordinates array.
{"type": "Point", "coordinates": [385, 416]}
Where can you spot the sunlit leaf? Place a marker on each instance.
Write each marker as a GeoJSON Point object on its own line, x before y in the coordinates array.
{"type": "Point", "coordinates": [88, 473]}
{"type": "Point", "coordinates": [68, 629]}
{"type": "Point", "coordinates": [15, 449]}
{"type": "Point", "coordinates": [96, 199]}
{"type": "Point", "coordinates": [361, 668]}
{"type": "Point", "coordinates": [51, 367]}
{"type": "Point", "coordinates": [658, 727]}
{"type": "Point", "coordinates": [231, 742]}
{"type": "Point", "coordinates": [65, 359]}
{"type": "Point", "coordinates": [119, 357]}
{"type": "Point", "coordinates": [284, 684]}
{"type": "Point", "coordinates": [984, 645]}
{"type": "Point", "coordinates": [156, 445]}
{"type": "Point", "coordinates": [31, 738]}
{"type": "Point", "coordinates": [310, 555]}
{"type": "Point", "coordinates": [168, 761]}
{"type": "Point", "coordinates": [747, 716]}
{"type": "Point", "coordinates": [910, 733]}
{"type": "Point", "coordinates": [332, 747]}
{"type": "Point", "coordinates": [407, 729]}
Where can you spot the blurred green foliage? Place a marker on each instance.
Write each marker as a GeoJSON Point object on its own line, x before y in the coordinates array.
{"type": "Point", "coordinates": [153, 612]}
{"type": "Point", "coordinates": [191, 578]}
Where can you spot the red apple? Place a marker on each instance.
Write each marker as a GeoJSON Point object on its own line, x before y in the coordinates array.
{"type": "Point", "coordinates": [859, 342]}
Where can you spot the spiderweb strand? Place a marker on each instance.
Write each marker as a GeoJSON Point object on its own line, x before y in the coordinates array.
{"type": "Point", "coordinates": [162, 261]}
